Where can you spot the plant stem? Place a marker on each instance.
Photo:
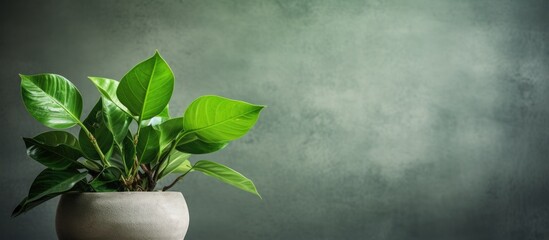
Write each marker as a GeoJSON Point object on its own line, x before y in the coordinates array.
{"type": "Point", "coordinates": [188, 141]}
{"type": "Point", "coordinates": [162, 159]}
{"type": "Point", "coordinates": [166, 157]}
{"type": "Point", "coordinates": [135, 167]}
{"type": "Point", "coordinates": [136, 136]}
{"type": "Point", "coordinates": [95, 145]}
{"type": "Point", "coordinates": [152, 182]}
{"type": "Point", "coordinates": [177, 180]}
{"type": "Point", "coordinates": [98, 175]}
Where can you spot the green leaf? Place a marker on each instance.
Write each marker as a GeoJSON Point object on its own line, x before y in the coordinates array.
{"type": "Point", "coordinates": [117, 121]}
{"type": "Point", "coordinates": [165, 114]}
{"type": "Point", "coordinates": [226, 175]}
{"type": "Point", "coordinates": [26, 205]}
{"type": "Point", "coordinates": [51, 181]}
{"type": "Point", "coordinates": [115, 113]}
{"type": "Point", "coordinates": [148, 145]}
{"type": "Point", "coordinates": [96, 125]}
{"type": "Point", "coordinates": [177, 163]}
{"type": "Point", "coordinates": [117, 156]}
{"type": "Point", "coordinates": [91, 165]}
{"type": "Point", "coordinates": [128, 148]}
{"type": "Point", "coordinates": [57, 150]}
{"type": "Point", "coordinates": [107, 87]}
{"type": "Point", "coordinates": [198, 146]}
{"type": "Point", "coordinates": [147, 88]}
{"type": "Point", "coordinates": [52, 100]}
{"type": "Point", "coordinates": [57, 138]}
{"type": "Point", "coordinates": [217, 119]}
{"type": "Point", "coordinates": [107, 181]}
{"type": "Point", "coordinates": [109, 153]}
{"type": "Point", "coordinates": [184, 167]}
{"type": "Point", "coordinates": [169, 131]}
{"type": "Point", "coordinates": [158, 119]}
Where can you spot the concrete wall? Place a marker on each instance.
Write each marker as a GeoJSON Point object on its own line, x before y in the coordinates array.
{"type": "Point", "coordinates": [421, 119]}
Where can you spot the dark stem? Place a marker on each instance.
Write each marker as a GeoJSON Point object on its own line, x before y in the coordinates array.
{"type": "Point", "coordinates": [164, 157]}
{"type": "Point", "coordinates": [150, 177]}
{"type": "Point", "coordinates": [176, 180]}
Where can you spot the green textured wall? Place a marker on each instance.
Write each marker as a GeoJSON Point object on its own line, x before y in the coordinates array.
{"type": "Point", "coordinates": [386, 120]}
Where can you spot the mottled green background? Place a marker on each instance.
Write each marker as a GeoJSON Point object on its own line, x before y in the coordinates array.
{"type": "Point", "coordinates": [386, 119]}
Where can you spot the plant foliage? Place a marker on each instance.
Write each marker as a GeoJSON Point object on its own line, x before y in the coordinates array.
{"type": "Point", "coordinates": [106, 155]}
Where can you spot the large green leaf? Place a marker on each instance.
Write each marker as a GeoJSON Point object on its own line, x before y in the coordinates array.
{"type": "Point", "coordinates": [177, 163]}
{"type": "Point", "coordinates": [96, 125]}
{"type": "Point", "coordinates": [147, 88]}
{"type": "Point", "coordinates": [226, 175]}
{"type": "Point", "coordinates": [217, 119]}
{"type": "Point", "coordinates": [115, 113]}
{"type": "Point", "coordinates": [148, 147]}
{"type": "Point", "coordinates": [52, 100]}
{"type": "Point", "coordinates": [57, 150]}
{"type": "Point", "coordinates": [197, 146]}
{"type": "Point", "coordinates": [51, 181]}
{"type": "Point", "coordinates": [190, 143]}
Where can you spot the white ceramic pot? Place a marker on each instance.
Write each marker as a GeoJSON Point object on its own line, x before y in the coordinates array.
{"type": "Point", "coordinates": [122, 215]}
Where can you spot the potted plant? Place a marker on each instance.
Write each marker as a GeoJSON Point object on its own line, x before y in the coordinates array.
{"type": "Point", "coordinates": [107, 175]}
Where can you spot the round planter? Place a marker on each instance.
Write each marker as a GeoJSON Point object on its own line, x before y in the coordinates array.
{"type": "Point", "coordinates": [122, 215]}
